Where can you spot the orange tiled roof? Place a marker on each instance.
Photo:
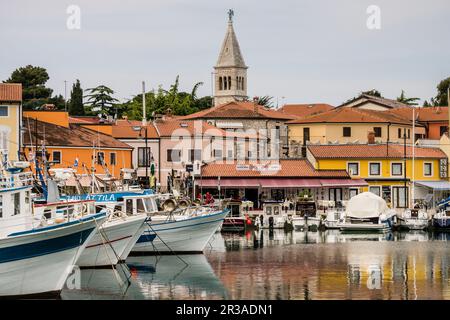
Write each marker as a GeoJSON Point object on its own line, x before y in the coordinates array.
{"type": "Point", "coordinates": [74, 136]}
{"type": "Point", "coordinates": [126, 129]}
{"type": "Point", "coordinates": [11, 92]}
{"type": "Point", "coordinates": [177, 127]}
{"type": "Point", "coordinates": [424, 114]}
{"type": "Point", "coordinates": [353, 115]}
{"type": "Point", "coordinates": [303, 110]}
{"type": "Point", "coordinates": [364, 151]}
{"type": "Point", "coordinates": [239, 110]}
{"type": "Point", "coordinates": [288, 168]}
{"type": "Point", "coordinates": [389, 103]}
{"type": "Point", "coordinates": [84, 120]}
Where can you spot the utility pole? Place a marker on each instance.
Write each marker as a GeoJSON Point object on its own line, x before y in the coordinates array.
{"type": "Point", "coordinates": [65, 95]}
{"type": "Point", "coordinates": [405, 160]}
{"type": "Point", "coordinates": [413, 157]}
{"type": "Point", "coordinates": [144, 116]}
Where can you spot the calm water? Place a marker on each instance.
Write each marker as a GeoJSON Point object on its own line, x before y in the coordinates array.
{"type": "Point", "coordinates": [279, 265]}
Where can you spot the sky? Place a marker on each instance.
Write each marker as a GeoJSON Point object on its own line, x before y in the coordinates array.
{"type": "Point", "coordinates": [298, 51]}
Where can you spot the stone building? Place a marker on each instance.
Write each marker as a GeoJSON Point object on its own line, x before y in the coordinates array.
{"type": "Point", "coordinates": [230, 70]}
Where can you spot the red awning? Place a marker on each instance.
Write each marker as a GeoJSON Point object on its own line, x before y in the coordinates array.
{"type": "Point", "coordinates": [343, 183]}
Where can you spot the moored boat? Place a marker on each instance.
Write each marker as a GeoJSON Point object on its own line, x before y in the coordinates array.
{"type": "Point", "coordinates": [367, 212]}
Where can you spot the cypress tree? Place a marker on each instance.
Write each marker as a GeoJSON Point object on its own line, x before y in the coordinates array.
{"type": "Point", "coordinates": [76, 107]}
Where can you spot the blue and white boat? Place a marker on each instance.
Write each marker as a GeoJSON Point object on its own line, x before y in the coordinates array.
{"type": "Point", "coordinates": [441, 220]}
{"type": "Point", "coordinates": [36, 258]}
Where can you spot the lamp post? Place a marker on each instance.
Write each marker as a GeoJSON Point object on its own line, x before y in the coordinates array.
{"type": "Point", "coordinates": [146, 155]}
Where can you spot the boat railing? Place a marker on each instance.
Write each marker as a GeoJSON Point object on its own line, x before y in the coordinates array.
{"type": "Point", "coordinates": [16, 180]}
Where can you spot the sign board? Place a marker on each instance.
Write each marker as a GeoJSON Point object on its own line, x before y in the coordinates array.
{"type": "Point", "coordinates": [443, 168]}
{"type": "Point", "coordinates": [242, 167]}
{"type": "Point", "coordinates": [189, 167]}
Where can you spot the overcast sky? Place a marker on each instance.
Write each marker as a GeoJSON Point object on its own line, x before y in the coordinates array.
{"type": "Point", "coordinates": [305, 51]}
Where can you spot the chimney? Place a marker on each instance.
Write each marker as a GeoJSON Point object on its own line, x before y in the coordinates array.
{"type": "Point", "coordinates": [255, 104]}
{"type": "Point", "coordinates": [371, 137]}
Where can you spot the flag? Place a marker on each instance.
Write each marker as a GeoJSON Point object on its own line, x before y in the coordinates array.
{"type": "Point", "coordinates": [75, 164]}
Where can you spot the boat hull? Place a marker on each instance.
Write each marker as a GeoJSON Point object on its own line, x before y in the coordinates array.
{"type": "Point", "coordinates": [413, 223]}
{"type": "Point", "coordinates": [363, 227]}
{"type": "Point", "coordinates": [109, 245]}
{"type": "Point", "coordinates": [441, 223]}
{"type": "Point", "coordinates": [190, 235]}
{"type": "Point", "coordinates": [39, 263]}
{"type": "Point", "coordinates": [300, 223]}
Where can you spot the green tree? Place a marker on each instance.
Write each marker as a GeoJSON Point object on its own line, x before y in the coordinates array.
{"type": "Point", "coordinates": [76, 107]}
{"type": "Point", "coordinates": [373, 92]}
{"type": "Point", "coordinates": [58, 101]}
{"type": "Point", "coordinates": [162, 100]}
{"type": "Point", "coordinates": [265, 101]}
{"type": "Point", "coordinates": [408, 101]}
{"type": "Point", "coordinates": [33, 80]}
{"type": "Point", "coordinates": [441, 98]}
{"type": "Point", "coordinates": [100, 100]}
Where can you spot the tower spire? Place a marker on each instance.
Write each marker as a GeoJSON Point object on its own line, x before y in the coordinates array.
{"type": "Point", "coordinates": [231, 70]}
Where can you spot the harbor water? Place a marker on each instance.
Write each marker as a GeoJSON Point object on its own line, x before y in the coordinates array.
{"type": "Point", "coordinates": [283, 265]}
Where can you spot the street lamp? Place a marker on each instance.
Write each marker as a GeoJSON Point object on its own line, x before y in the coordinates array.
{"type": "Point", "coordinates": [139, 129]}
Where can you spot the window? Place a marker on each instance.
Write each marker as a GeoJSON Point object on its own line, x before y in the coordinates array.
{"type": "Point", "coordinates": [144, 158]}
{"type": "Point", "coordinates": [377, 131]}
{"type": "Point", "coordinates": [229, 83]}
{"type": "Point", "coordinates": [409, 133]}
{"type": "Point", "coordinates": [1, 206]}
{"type": "Point", "coordinates": [112, 158]}
{"type": "Point", "coordinates": [3, 111]}
{"type": "Point", "coordinates": [427, 169]}
{"type": "Point", "coordinates": [100, 157]}
{"type": "Point", "coordinates": [220, 83]}
{"type": "Point", "coordinates": [353, 168]}
{"type": "Point", "coordinates": [16, 198]}
{"type": "Point", "coordinates": [396, 169]}
{"type": "Point", "coordinates": [217, 153]}
{"type": "Point", "coordinates": [56, 156]}
{"type": "Point", "coordinates": [347, 132]}
{"type": "Point", "coordinates": [173, 155]}
{"type": "Point", "coordinates": [375, 169]}
{"type": "Point", "coordinates": [399, 133]}
{"type": "Point", "coordinates": [195, 154]}
{"type": "Point", "coordinates": [305, 135]}
{"type": "Point", "coordinates": [224, 83]}
{"type": "Point", "coordinates": [400, 197]}
{"type": "Point", "coordinates": [375, 190]}
{"type": "Point", "coordinates": [230, 154]}
{"type": "Point", "coordinates": [442, 130]}
{"type": "Point", "coordinates": [353, 192]}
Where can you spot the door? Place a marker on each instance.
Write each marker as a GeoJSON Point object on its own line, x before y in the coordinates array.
{"type": "Point", "coordinates": [335, 194]}
{"type": "Point", "coordinates": [400, 197]}
{"type": "Point", "coordinates": [252, 195]}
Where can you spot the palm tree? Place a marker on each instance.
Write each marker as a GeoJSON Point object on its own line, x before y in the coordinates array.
{"type": "Point", "coordinates": [408, 101]}
{"type": "Point", "coordinates": [265, 101]}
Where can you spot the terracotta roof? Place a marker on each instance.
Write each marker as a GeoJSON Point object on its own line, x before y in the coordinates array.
{"type": "Point", "coordinates": [11, 92]}
{"type": "Point", "coordinates": [287, 168]}
{"type": "Point", "coordinates": [184, 128]}
{"type": "Point", "coordinates": [389, 103]}
{"type": "Point", "coordinates": [239, 110]}
{"type": "Point", "coordinates": [125, 129]}
{"type": "Point", "coordinates": [84, 120]}
{"type": "Point", "coordinates": [424, 114]}
{"type": "Point", "coordinates": [74, 136]}
{"type": "Point", "coordinates": [303, 110]}
{"type": "Point", "coordinates": [364, 151]}
{"type": "Point", "coordinates": [353, 115]}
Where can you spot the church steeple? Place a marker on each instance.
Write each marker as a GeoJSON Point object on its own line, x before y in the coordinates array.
{"type": "Point", "coordinates": [231, 71]}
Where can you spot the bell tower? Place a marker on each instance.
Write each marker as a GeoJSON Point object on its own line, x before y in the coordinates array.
{"type": "Point", "coordinates": [230, 76]}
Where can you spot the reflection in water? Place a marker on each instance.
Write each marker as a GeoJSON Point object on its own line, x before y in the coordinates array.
{"type": "Point", "coordinates": [294, 265]}
{"type": "Point", "coordinates": [413, 265]}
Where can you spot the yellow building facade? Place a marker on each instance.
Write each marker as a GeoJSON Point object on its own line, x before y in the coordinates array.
{"type": "Point", "coordinates": [383, 168]}
{"type": "Point", "coordinates": [10, 119]}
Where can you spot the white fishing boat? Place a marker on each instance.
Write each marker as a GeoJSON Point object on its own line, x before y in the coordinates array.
{"type": "Point", "coordinates": [413, 219]}
{"type": "Point", "coordinates": [334, 217]}
{"type": "Point", "coordinates": [36, 258]}
{"type": "Point", "coordinates": [274, 217]}
{"type": "Point", "coordinates": [367, 212]}
{"type": "Point", "coordinates": [306, 217]}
